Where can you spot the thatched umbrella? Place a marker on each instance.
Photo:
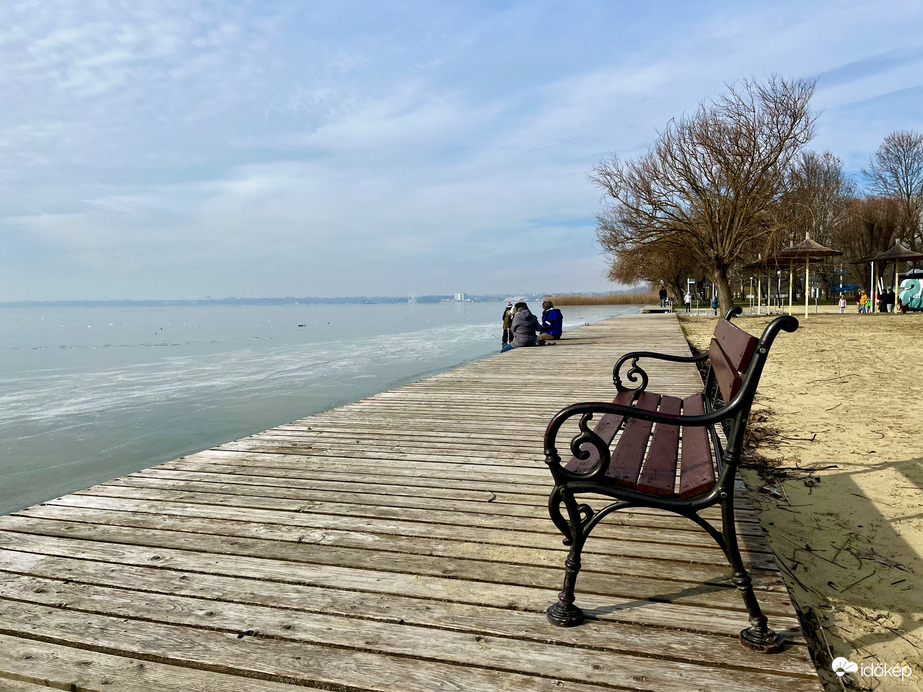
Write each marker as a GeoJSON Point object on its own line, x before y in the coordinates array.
{"type": "Point", "coordinates": [897, 253]}
{"type": "Point", "coordinates": [809, 251]}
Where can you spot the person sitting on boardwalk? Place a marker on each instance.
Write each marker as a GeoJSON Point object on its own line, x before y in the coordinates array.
{"type": "Point", "coordinates": [552, 322]}
{"type": "Point", "coordinates": [523, 326]}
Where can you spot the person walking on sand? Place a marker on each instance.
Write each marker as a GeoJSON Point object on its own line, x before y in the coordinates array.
{"type": "Point", "coordinates": [842, 303]}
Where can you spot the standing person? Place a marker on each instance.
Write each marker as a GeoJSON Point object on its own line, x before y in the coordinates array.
{"type": "Point", "coordinates": [523, 326]}
{"type": "Point", "coordinates": [868, 305]}
{"type": "Point", "coordinates": [663, 297]}
{"type": "Point", "coordinates": [859, 302]}
{"type": "Point", "coordinates": [842, 303]}
{"type": "Point", "coordinates": [688, 301]}
{"type": "Point", "coordinates": [889, 300]}
{"type": "Point", "coordinates": [552, 322]}
{"type": "Point", "coordinates": [507, 318]}
{"type": "Point", "coordinates": [714, 305]}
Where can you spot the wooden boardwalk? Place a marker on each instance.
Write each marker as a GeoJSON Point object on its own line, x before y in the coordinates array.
{"type": "Point", "coordinates": [398, 543]}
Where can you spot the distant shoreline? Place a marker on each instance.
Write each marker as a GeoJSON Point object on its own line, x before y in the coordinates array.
{"type": "Point", "coordinates": [310, 300]}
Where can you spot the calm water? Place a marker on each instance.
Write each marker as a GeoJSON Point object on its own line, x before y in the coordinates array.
{"type": "Point", "coordinates": [90, 394]}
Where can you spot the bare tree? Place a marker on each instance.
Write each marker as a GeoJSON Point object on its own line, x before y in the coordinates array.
{"type": "Point", "coordinates": [712, 182]}
{"type": "Point", "coordinates": [815, 204]}
{"type": "Point", "coordinates": [655, 263]}
{"type": "Point", "coordinates": [869, 228]}
{"type": "Point", "coordinates": [897, 171]}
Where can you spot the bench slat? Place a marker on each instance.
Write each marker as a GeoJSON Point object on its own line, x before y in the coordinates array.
{"type": "Point", "coordinates": [736, 343]}
{"type": "Point", "coordinates": [659, 473]}
{"type": "Point", "coordinates": [697, 473]}
{"type": "Point", "coordinates": [629, 452]}
{"type": "Point", "coordinates": [607, 426]}
{"type": "Point", "coordinates": [729, 380]}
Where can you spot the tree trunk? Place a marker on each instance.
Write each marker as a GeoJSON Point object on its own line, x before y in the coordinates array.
{"type": "Point", "coordinates": [725, 300]}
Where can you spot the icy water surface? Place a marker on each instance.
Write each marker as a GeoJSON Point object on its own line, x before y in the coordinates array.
{"type": "Point", "coordinates": [90, 394]}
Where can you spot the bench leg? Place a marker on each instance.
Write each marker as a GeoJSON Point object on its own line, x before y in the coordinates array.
{"type": "Point", "coordinates": [564, 613]}
{"type": "Point", "coordinates": [758, 636]}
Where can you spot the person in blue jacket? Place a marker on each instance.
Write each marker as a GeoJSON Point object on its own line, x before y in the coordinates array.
{"type": "Point", "coordinates": [552, 322]}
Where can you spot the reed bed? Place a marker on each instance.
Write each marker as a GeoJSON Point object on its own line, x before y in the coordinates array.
{"type": "Point", "coordinates": [611, 299]}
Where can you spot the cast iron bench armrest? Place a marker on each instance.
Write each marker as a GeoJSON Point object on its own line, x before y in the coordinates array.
{"type": "Point", "coordinates": [635, 369]}
{"type": "Point", "coordinates": [635, 356]}
{"type": "Point", "coordinates": [587, 435]}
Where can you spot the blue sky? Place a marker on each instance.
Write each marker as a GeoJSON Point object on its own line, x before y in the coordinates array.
{"type": "Point", "coordinates": [270, 148]}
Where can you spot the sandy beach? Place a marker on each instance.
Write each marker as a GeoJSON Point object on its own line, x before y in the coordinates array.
{"type": "Point", "coordinates": [838, 473]}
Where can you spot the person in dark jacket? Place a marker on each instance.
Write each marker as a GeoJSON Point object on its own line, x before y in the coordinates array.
{"type": "Point", "coordinates": [523, 326]}
{"type": "Point", "coordinates": [507, 319]}
{"type": "Point", "coordinates": [552, 322]}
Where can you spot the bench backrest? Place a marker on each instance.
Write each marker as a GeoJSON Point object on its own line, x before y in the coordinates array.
{"type": "Point", "coordinates": [729, 353]}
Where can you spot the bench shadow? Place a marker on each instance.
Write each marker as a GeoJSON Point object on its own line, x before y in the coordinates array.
{"type": "Point", "coordinates": [853, 578]}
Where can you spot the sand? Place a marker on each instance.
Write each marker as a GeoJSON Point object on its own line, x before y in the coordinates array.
{"type": "Point", "coordinates": [840, 436]}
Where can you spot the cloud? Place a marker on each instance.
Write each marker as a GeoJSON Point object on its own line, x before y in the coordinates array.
{"type": "Point", "coordinates": [208, 148]}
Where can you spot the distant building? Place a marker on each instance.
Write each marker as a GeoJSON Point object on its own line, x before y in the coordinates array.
{"type": "Point", "coordinates": [459, 297]}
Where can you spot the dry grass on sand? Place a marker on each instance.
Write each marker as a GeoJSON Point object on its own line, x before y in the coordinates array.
{"type": "Point", "coordinates": [840, 436]}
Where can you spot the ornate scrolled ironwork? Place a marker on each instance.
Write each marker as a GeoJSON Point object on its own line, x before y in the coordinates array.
{"type": "Point", "coordinates": [587, 436]}
{"type": "Point", "coordinates": [631, 375]}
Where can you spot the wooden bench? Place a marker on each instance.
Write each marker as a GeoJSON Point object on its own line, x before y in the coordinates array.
{"type": "Point", "coordinates": [648, 450]}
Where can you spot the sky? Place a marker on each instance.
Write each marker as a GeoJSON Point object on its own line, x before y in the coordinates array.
{"type": "Point", "coordinates": [269, 148]}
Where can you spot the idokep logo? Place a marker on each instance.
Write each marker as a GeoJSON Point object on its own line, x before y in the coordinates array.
{"type": "Point", "coordinates": [841, 666]}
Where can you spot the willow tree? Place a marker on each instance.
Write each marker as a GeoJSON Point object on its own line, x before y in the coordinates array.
{"type": "Point", "coordinates": [711, 184]}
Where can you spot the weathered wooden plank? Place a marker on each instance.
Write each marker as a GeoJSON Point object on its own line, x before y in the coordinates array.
{"type": "Point", "coordinates": [249, 653]}
{"type": "Point", "coordinates": [293, 499]}
{"type": "Point", "coordinates": [64, 667]}
{"type": "Point", "coordinates": [649, 542]}
{"type": "Point", "coordinates": [391, 607]}
{"type": "Point", "coordinates": [525, 619]}
{"type": "Point", "coordinates": [322, 565]}
{"type": "Point", "coordinates": [340, 547]}
{"type": "Point", "coordinates": [393, 636]}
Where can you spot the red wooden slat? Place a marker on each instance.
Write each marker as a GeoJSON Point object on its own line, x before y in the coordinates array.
{"type": "Point", "coordinates": [659, 473]}
{"type": "Point", "coordinates": [697, 473]}
{"type": "Point", "coordinates": [606, 428]}
{"type": "Point", "coordinates": [728, 378]}
{"type": "Point", "coordinates": [629, 452]}
{"type": "Point", "coordinates": [736, 343]}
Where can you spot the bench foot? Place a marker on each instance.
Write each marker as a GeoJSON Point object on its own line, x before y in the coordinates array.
{"type": "Point", "coordinates": [564, 615]}
{"type": "Point", "coordinates": [761, 639]}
